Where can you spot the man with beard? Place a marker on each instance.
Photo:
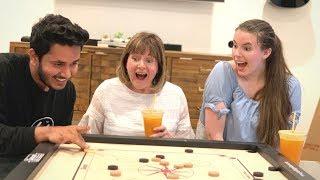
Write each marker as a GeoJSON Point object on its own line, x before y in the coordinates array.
{"type": "Point", "coordinates": [36, 94]}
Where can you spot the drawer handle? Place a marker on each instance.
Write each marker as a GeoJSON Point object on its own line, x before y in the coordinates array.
{"type": "Point", "coordinates": [84, 52]}
{"type": "Point", "coordinates": [100, 53]}
{"type": "Point", "coordinates": [204, 70]}
{"type": "Point", "coordinates": [185, 58]}
{"type": "Point", "coordinates": [200, 89]}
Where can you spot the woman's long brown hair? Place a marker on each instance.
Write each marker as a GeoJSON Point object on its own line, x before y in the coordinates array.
{"type": "Point", "coordinates": [275, 106]}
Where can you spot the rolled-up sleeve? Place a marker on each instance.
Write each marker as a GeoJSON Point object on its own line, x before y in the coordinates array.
{"type": "Point", "coordinates": [219, 87]}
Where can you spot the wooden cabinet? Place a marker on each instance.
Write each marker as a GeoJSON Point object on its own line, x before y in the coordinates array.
{"type": "Point", "coordinates": [190, 71]}
{"type": "Point", "coordinates": [188, 74]}
{"type": "Point", "coordinates": [104, 66]}
{"type": "Point", "coordinates": [81, 82]}
{"type": "Point", "coordinates": [187, 70]}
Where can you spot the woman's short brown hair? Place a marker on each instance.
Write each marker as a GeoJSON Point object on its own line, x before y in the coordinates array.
{"type": "Point", "coordinates": [139, 44]}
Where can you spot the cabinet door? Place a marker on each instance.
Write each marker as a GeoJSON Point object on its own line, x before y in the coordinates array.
{"type": "Point", "coordinates": [168, 68]}
{"type": "Point", "coordinates": [81, 81]}
{"type": "Point", "coordinates": [104, 66]}
{"type": "Point", "coordinates": [19, 47]}
{"type": "Point", "coordinates": [190, 75]}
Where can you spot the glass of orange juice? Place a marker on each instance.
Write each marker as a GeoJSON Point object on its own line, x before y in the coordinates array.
{"type": "Point", "coordinates": [152, 118]}
{"type": "Point", "coordinates": [291, 144]}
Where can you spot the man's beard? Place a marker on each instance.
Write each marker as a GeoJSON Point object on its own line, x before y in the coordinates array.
{"type": "Point", "coordinates": [42, 76]}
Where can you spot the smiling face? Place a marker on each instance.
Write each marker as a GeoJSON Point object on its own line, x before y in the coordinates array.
{"type": "Point", "coordinates": [141, 68]}
{"type": "Point", "coordinates": [249, 58]}
{"type": "Point", "coordinates": [56, 67]}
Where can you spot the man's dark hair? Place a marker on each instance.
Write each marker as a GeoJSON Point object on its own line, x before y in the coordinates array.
{"type": "Point", "coordinates": [56, 29]}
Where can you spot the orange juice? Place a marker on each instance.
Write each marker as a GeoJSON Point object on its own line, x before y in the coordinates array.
{"type": "Point", "coordinates": [291, 144]}
{"type": "Point", "coordinates": [152, 118]}
{"type": "Point", "coordinates": [291, 149]}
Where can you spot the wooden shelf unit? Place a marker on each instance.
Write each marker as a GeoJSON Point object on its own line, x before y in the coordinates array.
{"type": "Point", "coordinates": [185, 69]}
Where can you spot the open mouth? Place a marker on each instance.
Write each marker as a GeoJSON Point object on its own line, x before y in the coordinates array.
{"type": "Point", "coordinates": [60, 79]}
{"type": "Point", "coordinates": [241, 64]}
{"type": "Point", "coordinates": [141, 76]}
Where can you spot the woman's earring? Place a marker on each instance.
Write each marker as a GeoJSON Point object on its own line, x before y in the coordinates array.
{"type": "Point", "coordinates": [230, 44]}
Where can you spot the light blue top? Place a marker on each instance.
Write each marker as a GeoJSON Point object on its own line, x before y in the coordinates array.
{"type": "Point", "coordinates": [241, 111]}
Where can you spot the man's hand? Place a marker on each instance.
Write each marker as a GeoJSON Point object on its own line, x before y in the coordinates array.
{"type": "Point", "coordinates": [161, 132]}
{"type": "Point", "coordinates": [62, 134]}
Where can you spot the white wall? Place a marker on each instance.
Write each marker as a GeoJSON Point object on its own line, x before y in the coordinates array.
{"type": "Point", "coordinates": [182, 22]}
{"type": "Point", "coordinates": [198, 26]}
{"type": "Point", "coordinates": [17, 18]}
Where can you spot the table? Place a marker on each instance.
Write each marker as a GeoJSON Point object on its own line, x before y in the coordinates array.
{"type": "Point", "coordinates": [199, 158]}
{"type": "Point", "coordinates": [311, 167]}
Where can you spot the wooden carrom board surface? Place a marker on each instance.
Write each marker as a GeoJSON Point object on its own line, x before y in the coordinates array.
{"type": "Point", "coordinates": [231, 159]}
